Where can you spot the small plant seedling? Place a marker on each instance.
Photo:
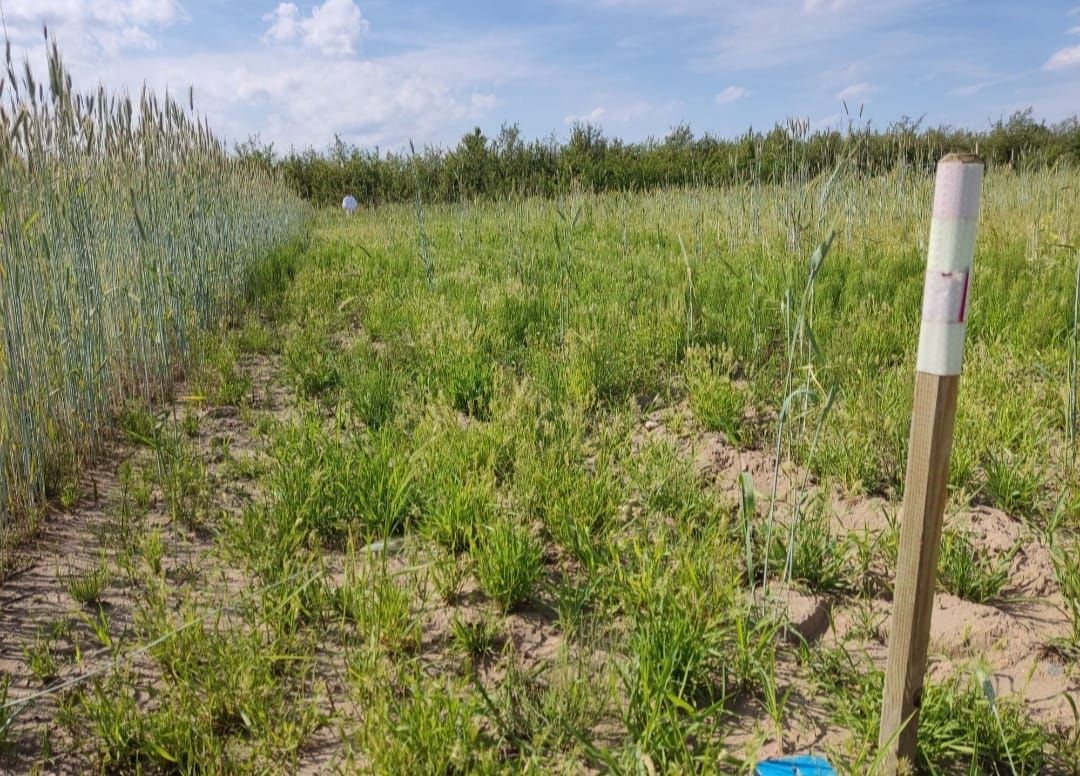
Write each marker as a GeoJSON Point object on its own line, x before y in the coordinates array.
{"type": "Point", "coordinates": [572, 602]}
{"type": "Point", "coordinates": [190, 424]}
{"type": "Point", "coordinates": [476, 637]}
{"type": "Point", "coordinates": [718, 402]}
{"type": "Point", "coordinates": [447, 574]}
{"type": "Point", "coordinates": [508, 562]}
{"type": "Point", "coordinates": [7, 715]}
{"type": "Point", "coordinates": [818, 557]}
{"type": "Point", "coordinates": [968, 572]}
{"type": "Point", "coordinates": [152, 548]}
{"type": "Point", "coordinates": [102, 628]}
{"type": "Point", "coordinates": [86, 587]}
{"type": "Point", "coordinates": [40, 660]}
{"type": "Point", "coordinates": [1067, 571]}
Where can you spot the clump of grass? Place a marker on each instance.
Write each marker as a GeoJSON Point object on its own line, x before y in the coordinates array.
{"type": "Point", "coordinates": [152, 548]}
{"type": "Point", "coordinates": [1067, 570]}
{"type": "Point", "coordinates": [467, 377]}
{"type": "Point", "coordinates": [182, 475]}
{"type": "Point", "coordinates": [508, 562]}
{"type": "Point", "coordinates": [718, 402]}
{"type": "Point", "coordinates": [579, 509]}
{"type": "Point", "coordinates": [138, 423]}
{"type": "Point", "coordinates": [335, 485]}
{"type": "Point", "coordinates": [691, 647]}
{"type": "Point", "coordinates": [963, 727]}
{"type": "Point", "coordinates": [86, 587]}
{"type": "Point", "coordinates": [670, 487]}
{"type": "Point", "coordinates": [968, 572]}
{"type": "Point", "coordinates": [818, 556]}
{"type": "Point", "coordinates": [254, 337]}
{"type": "Point", "coordinates": [1014, 485]}
{"type": "Point", "coordinates": [476, 637]}
{"type": "Point", "coordinates": [448, 573]}
{"type": "Point", "coordinates": [459, 512]}
{"type": "Point", "coordinates": [219, 378]}
{"type": "Point", "coordinates": [380, 609]}
{"type": "Point", "coordinates": [373, 393]}
{"type": "Point", "coordinates": [572, 604]}
{"type": "Point", "coordinates": [312, 364]}
{"type": "Point", "coordinates": [874, 557]}
{"type": "Point", "coordinates": [429, 725]}
{"type": "Point", "coordinates": [7, 715]}
{"type": "Point", "coordinates": [40, 660]}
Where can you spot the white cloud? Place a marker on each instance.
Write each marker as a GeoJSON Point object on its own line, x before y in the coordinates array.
{"type": "Point", "coordinates": [971, 90]}
{"type": "Point", "coordinates": [483, 102]}
{"type": "Point", "coordinates": [859, 91]}
{"type": "Point", "coordinates": [812, 6]}
{"type": "Point", "coordinates": [334, 27]}
{"type": "Point", "coordinates": [85, 26]}
{"type": "Point", "coordinates": [832, 121]}
{"type": "Point", "coordinates": [592, 117]}
{"type": "Point", "coordinates": [614, 111]}
{"type": "Point", "coordinates": [1074, 30]}
{"type": "Point", "coordinates": [432, 93]}
{"type": "Point", "coordinates": [761, 34]}
{"type": "Point", "coordinates": [285, 23]}
{"type": "Point", "coordinates": [1063, 59]}
{"type": "Point", "coordinates": [114, 13]}
{"type": "Point", "coordinates": [731, 94]}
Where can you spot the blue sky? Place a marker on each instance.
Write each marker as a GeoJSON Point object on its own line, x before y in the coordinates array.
{"type": "Point", "coordinates": [384, 73]}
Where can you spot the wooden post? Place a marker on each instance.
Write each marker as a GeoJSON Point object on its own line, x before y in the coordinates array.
{"type": "Point", "coordinates": [941, 349]}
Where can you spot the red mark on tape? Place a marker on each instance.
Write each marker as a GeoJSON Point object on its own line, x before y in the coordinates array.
{"type": "Point", "coordinates": [945, 297]}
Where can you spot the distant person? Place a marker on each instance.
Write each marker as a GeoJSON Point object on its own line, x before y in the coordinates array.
{"type": "Point", "coordinates": [349, 204]}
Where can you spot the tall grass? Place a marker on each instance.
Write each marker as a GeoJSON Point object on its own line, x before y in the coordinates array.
{"type": "Point", "coordinates": [125, 229]}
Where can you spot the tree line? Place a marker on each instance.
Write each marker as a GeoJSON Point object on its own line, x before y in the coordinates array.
{"type": "Point", "coordinates": [508, 165]}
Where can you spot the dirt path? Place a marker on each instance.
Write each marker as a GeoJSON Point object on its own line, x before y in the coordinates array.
{"type": "Point", "coordinates": [120, 503]}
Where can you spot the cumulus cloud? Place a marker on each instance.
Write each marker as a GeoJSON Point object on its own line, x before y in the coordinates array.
{"type": "Point", "coordinates": [432, 93]}
{"type": "Point", "coordinates": [1063, 59]}
{"type": "Point", "coordinates": [731, 94]}
{"type": "Point", "coordinates": [115, 13]}
{"type": "Point", "coordinates": [106, 25]}
{"type": "Point", "coordinates": [334, 27]}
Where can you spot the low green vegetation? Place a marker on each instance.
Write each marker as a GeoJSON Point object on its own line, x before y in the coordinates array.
{"type": "Point", "coordinates": [480, 531]}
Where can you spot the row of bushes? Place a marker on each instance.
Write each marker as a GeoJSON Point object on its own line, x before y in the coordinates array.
{"type": "Point", "coordinates": [507, 165]}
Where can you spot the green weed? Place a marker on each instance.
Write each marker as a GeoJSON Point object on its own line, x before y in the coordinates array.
{"type": "Point", "coordinates": [477, 638]}
{"type": "Point", "coordinates": [86, 587]}
{"type": "Point", "coordinates": [40, 660]}
{"type": "Point", "coordinates": [718, 403]}
{"type": "Point", "coordinates": [966, 571]}
{"type": "Point", "coordinates": [508, 562]}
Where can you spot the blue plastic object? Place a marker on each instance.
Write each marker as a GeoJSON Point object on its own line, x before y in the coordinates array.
{"type": "Point", "coordinates": [802, 765]}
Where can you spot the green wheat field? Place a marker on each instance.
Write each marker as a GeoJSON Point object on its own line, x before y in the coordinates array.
{"type": "Point", "coordinates": [600, 482]}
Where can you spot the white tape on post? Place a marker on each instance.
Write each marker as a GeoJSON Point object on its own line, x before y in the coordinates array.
{"type": "Point", "coordinates": [948, 264]}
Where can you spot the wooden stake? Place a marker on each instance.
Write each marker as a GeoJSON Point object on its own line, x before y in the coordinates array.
{"type": "Point", "coordinates": [937, 379]}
